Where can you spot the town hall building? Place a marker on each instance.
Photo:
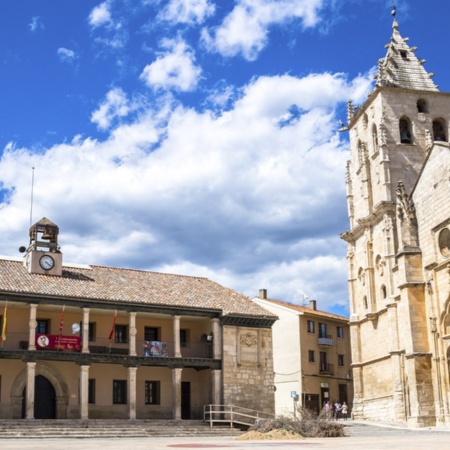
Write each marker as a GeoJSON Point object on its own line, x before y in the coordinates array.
{"type": "Point", "coordinates": [86, 342]}
{"type": "Point", "coordinates": [398, 194]}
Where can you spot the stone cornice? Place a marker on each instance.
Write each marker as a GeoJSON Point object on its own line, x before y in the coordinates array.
{"type": "Point", "coordinates": [379, 210]}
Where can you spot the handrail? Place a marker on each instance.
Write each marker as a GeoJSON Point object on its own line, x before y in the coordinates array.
{"type": "Point", "coordinates": [233, 415]}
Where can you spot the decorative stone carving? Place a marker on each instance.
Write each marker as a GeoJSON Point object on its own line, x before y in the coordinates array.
{"type": "Point", "coordinates": [249, 339]}
{"type": "Point", "coordinates": [405, 206]}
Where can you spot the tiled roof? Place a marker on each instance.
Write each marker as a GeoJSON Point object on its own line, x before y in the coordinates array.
{"type": "Point", "coordinates": [306, 310]}
{"type": "Point", "coordinates": [401, 67]}
{"type": "Point", "coordinates": [99, 283]}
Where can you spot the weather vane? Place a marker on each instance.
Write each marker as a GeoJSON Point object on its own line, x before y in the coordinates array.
{"type": "Point", "coordinates": [394, 8]}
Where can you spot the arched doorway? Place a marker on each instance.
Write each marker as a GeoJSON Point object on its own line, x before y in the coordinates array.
{"type": "Point", "coordinates": [44, 399]}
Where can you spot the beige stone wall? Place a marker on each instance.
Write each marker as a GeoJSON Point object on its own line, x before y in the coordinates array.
{"type": "Point", "coordinates": [248, 378]}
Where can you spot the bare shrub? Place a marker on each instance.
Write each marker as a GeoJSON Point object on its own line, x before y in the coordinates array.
{"type": "Point", "coordinates": [307, 424]}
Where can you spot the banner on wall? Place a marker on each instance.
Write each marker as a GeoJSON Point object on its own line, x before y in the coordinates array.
{"type": "Point", "coordinates": [155, 348]}
{"type": "Point", "coordinates": [56, 342]}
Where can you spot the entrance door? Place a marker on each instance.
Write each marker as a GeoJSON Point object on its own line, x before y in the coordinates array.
{"type": "Point", "coordinates": [325, 395]}
{"type": "Point", "coordinates": [185, 400]}
{"type": "Point", "coordinates": [44, 399]}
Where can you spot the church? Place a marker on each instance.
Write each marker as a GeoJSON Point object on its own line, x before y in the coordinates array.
{"type": "Point", "coordinates": [398, 196]}
{"type": "Point", "coordinates": [85, 342]}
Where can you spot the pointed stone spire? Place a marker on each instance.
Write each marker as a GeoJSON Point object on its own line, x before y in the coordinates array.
{"type": "Point", "coordinates": [401, 68]}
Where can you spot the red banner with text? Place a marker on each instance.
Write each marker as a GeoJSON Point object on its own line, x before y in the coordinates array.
{"type": "Point", "coordinates": [56, 342]}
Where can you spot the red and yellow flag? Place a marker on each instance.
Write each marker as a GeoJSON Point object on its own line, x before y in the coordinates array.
{"type": "Point", "coordinates": [4, 326]}
{"type": "Point", "coordinates": [111, 333]}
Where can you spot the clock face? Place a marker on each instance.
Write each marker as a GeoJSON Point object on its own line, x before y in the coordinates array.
{"type": "Point", "coordinates": [46, 262]}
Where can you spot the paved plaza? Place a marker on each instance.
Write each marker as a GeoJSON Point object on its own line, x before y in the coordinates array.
{"type": "Point", "coordinates": [364, 437]}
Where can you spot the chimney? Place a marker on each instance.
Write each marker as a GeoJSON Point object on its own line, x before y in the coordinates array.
{"type": "Point", "coordinates": [263, 294]}
{"type": "Point", "coordinates": [313, 304]}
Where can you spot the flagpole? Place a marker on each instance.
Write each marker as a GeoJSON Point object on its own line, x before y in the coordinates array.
{"type": "Point", "coordinates": [111, 333]}
{"type": "Point", "coordinates": [61, 324]}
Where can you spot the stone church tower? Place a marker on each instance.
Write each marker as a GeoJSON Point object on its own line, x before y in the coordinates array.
{"type": "Point", "coordinates": [398, 194]}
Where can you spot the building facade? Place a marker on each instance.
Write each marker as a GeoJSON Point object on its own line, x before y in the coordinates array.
{"type": "Point", "coordinates": [398, 258]}
{"type": "Point", "coordinates": [312, 358]}
{"type": "Point", "coordinates": [94, 342]}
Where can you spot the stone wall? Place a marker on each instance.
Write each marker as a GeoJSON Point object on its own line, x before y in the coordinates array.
{"type": "Point", "coordinates": [248, 377]}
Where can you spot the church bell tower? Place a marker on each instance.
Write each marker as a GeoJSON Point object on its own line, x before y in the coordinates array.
{"type": "Point", "coordinates": [391, 135]}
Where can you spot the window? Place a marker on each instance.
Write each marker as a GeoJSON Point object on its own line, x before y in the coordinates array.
{"type": "Point", "coordinates": [43, 326]}
{"type": "Point", "coordinates": [422, 106]}
{"type": "Point", "coordinates": [184, 338]}
{"type": "Point", "coordinates": [340, 332]}
{"type": "Point", "coordinates": [119, 392]}
{"type": "Point", "coordinates": [341, 360]}
{"type": "Point", "coordinates": [91, 333]}
{"type": "Point", "coordinates": [404, 54]}
{"type": "Point", "coordinates": [152, 392]}
{"type": "Point", "coordinates": [91, 390]}
{"type": "Point", "coordinates": [151, 334]}
{"type": "Point", "coordinates": [444, 242]}
{"type": "Point", "coordinates": [120, 334]}
{"type": "Point", "coordinates": [383, 292]}
{"type": "Point", "coordinates": [439, 130]}
{"type": "Point", "coordinates": [375, 138]}
{"type": "Point", "coordinates": [322, 330]}
{"type": "Point", "coordinates": [311, 326]}
{"type": "Point", "coordinates": [405, 131]}
{"type": "Point", "coordinates": [311, 356]}
{"type": "Point", "coordinates": [366, 305]}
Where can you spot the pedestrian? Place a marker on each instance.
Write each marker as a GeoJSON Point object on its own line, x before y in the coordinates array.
{"type": "Point", "coordinates": [344, 410]}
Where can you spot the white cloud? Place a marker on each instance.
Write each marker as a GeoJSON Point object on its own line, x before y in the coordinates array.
{"type": "Point", "coordinates": [173, 69]}
{"type": "Point", "coordinates": [36, 24]}
{"type": "Point", "coordinates": [244, 31]}
{"type": "Point", "coordinates": [187, 11]}
{"type": "Point", "coordinates": [100, 15]}
{"type": "Point", "coordinates": [66, 55]}
{"type": "Point", "coordinates": [115, 105]}
{"type": "Point", "coordinates": [236, 196]}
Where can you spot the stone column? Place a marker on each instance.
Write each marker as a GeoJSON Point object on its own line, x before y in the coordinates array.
{"type": "Point", "coordinates": [176, 336]}
{"type": "Point", "coordinates": [216, 384]}
{"type": "Point", "coordinates": [32, 324]}
{"type": "Point", "coordinates": [84, 392]}
{"type": "Point", "coordinates": [217, 339]}
{"type": "Point", "coordinates": [176, 389]}
{"type": "Point", "coordinates": [133, 332]}
{"type": "Point", "coordinates": [85, 334]}
{"type": "Point", "coordinates": [132, 393]}
{"type": "Point", "coordinates": [31, 373]}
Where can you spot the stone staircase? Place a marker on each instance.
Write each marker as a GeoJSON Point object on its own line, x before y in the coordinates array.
{"type": "Point", "coordinates": [78, 429]}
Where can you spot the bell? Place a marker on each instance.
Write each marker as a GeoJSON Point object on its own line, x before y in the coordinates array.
{"type": "Point", "coordinates": [48, 233]}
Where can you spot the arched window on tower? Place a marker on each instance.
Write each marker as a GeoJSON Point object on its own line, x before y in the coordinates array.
{"type": "Point", "coordinates": [422, 106]}
{"type": "Point", "coordinates": [383, 292]}
{"type": "Point", "coordinates": [405, 131]}
{"type": "Point", "coordinates": [375, 138]}
{"type": "Point", "coordinates": [439, 130]}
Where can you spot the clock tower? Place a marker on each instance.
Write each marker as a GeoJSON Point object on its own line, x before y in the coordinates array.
{"type": "Point", "coordinates": [43, 255]}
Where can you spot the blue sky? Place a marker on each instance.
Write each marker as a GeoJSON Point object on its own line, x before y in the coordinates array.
{"type": "Point", "coordinates": [195, 136]}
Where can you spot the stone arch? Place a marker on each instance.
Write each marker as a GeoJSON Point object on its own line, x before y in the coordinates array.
{"type": "Point", "coordinates": [55, 378]}
{"type": "Point", "coordinates": [439, 130]}
{"type": "Point", "coordinates": [405, 129]}
{"type": "Point", "coordinates": [422, 106]}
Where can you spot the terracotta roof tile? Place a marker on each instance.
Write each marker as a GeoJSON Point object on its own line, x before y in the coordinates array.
{"type": "Point", "coordinates": [128, 285]}
{"type": "Point", "coordinates": [306, 310]}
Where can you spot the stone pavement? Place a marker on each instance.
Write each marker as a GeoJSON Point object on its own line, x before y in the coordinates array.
{"type": "Point", "coordinates": [361, 436]}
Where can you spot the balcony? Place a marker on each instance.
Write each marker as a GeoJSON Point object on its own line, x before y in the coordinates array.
{"type": "Point", "coordinates": [102, 346]}
{"type": "Point", "coordinates": [326, 368]}
{"type": "Point", "coordinates": [325, 341]}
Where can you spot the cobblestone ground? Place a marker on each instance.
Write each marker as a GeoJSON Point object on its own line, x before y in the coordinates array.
{"type": "Point", "coordinates": [360, 437]}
